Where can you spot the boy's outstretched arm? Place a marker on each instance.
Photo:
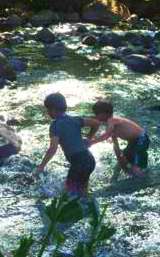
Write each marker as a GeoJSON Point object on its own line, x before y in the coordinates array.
{"type": "Point", "coordinates": [104, 136]}
{"type": "Point", "coordinates": [54, 141]}
{"type": "Point", "coordinates": [93, 124]}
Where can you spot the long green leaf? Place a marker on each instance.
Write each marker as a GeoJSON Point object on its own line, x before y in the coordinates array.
{"type": "Point", "coordinates": [23, 249]}
{"type": "Point", "coordinates": [71, 211]}
{"type": "Point", "coordinates": [105, 233]}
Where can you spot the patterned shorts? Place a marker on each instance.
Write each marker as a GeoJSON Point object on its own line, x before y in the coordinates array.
{"type": "Point", "coordinates": [136, 151]}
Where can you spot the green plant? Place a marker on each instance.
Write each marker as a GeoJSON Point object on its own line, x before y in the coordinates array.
{"type": "Point", "coordinates": [23, 249]}
{"type": "Point", "coordinates": [64, 210]}
{"type": "Point", "coordinates": [99, 232]}
{"type": "Point", "coordinates": [61, 210]}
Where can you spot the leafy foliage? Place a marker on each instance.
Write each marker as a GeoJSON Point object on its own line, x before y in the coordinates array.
{"type": "Point", "coordinates": [99, 233]}
{"type": "Point", "coordinates": [23, 249]}
{"type": "Point", "coordinates": [64, 210]}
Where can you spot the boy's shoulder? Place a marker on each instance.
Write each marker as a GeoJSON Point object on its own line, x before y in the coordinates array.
{"type": "Point", "coordinates": [115, 120]}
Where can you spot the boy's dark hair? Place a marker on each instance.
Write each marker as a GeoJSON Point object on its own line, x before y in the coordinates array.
{"type": "Point", "coordinates": [103, 107]}
{"type": "Point", "coordinates": [56, 101]}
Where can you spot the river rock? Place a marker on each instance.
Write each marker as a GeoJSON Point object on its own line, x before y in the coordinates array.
{"type": "Point", "coordinates": [2, 82]}
{"type": "Point", "coordinates": [16, 40]}
{"type": "Point", "coordinates": [123, 51]}
{"type": "Point", "coordinates": [139, 63]}
{"type": "Point", "coordinates": [20, 163]}
{"type": "Point", "coordinates": [45, 36]}
{"type": "Point", "coordinates": [139, 39]}
{"type": "Point", "coordinates": [6, 51]}
{"type": "Point", "coordinates": [6, 71]}
{"type": "Point", "coordinates": [81, 29]}
{"type": "Point", "coordinates": [44, 18]}
{"type": "Point", "coordinates": [157, 36]}
{"type": "Point", "coordinates": [156, 60]}
{"type": "Point", "coordinates": [18, 64]}
{"type": "Point", "coordinates": [144, 23]}
{"type": "Point", "coordinates": [3, 58]}
{"type": "Point", "coordinates": [55, 50]}
{"type": "Point", "coordinates": [111, 39]}
{"type": "Point", "coordinates": [89, 40]}
{"type": "Point", "coordinates": [14, 21]}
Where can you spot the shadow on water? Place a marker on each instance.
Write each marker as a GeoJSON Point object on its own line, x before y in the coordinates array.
{"type": "Point", "coordinates": [129, 185]}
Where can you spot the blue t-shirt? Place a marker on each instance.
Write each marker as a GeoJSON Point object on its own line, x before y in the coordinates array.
{"type": "Point", "coordinates": [68, 130]}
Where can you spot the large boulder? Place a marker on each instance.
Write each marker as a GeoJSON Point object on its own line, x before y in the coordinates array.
{"type": "Point", "coordinates": [139, 63]}
{"type": "Point", "coordinates": [99, 13]}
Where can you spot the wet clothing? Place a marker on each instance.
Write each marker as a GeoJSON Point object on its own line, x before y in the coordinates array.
{"type": "Point", "coordinates": [68, 130]}
{"type": "Point", "coordinates": [136, 151]}
{"type": "Point", "coordinates": [82, 165]}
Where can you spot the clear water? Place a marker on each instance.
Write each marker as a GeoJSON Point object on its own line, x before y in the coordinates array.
{"type": "Point", "coordinates": [84, 75]}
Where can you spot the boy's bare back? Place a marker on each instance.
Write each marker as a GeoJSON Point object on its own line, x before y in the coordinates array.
{"type": "Point", "coordinates": [124, 128]}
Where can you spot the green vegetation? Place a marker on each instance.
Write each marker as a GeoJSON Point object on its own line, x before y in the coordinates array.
{"type": "Point", "coordinates": [62, 211]}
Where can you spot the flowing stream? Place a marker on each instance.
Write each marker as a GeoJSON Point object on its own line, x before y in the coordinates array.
{"type": "Point", "coordinates": [83, 75]}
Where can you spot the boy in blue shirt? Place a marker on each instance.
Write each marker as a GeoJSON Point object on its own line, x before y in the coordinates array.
{"type": "Point", "coordinates": [65, 131]}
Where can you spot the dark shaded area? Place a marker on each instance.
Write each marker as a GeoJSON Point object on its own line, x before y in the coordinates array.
{"type": "Point", "coordinates": [128, 186]}
{"type": "Point", "coordinates": [143, 8]}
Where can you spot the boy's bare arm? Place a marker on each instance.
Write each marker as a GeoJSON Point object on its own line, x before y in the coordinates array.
{"type": "Point", "coordinates": [116, 147]}
{"type": "Point", "coordinates": [93, 124]}
{"type": "Point", "coordinates": [104, 136]}
{"type": "Point", "coordinates": [119, 154]}
{"type": "Point", "coordinates": [49, 153]}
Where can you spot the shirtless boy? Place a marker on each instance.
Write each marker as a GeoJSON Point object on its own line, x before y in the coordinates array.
{"type": "Point", "coordinates": [137, 139]}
